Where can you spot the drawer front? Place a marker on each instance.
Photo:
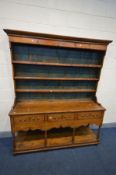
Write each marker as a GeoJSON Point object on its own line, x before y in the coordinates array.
{"type": "Point", "coordinates": [29, 118]}
{"type": "Point", "coordinates": [26, 122]}
{"type": "Point", "coordinates": [60, 117]}
{"type": "Point", "coordinates": [59, 120]}
{"type": "Point", "coordinates": [90, 115]}
{"type": "Point", "coordinates": [68, 116]}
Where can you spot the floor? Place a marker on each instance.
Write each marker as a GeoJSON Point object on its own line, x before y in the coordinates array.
{"type": "Point", "coordinates": [91, 160]}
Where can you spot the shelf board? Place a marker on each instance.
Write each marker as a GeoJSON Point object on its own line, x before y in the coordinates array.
{"type": "Point", "coordinates": [55, 90]}
{"type": "Point", "coordinates": [56, 64]}
{"type": "Point", "coordinates": [55, 78]}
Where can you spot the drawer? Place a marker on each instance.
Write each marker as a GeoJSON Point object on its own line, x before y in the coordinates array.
{"type": "Point", "coordinates": [89, 115]}
{"type": "Point", "coordinates": [60, 117]}
{"type": "Point", "coordinates": [28, 118]}
{"type": "Point", "coordinates": [26, 122]}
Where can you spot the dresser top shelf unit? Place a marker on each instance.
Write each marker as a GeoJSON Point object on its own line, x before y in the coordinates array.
{"type": "Point", "coordinates": [53, 67]}
{"type": "Point", "coordinates": [55, 82]}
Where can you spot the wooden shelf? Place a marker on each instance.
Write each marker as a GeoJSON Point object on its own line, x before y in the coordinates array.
{"type": "Point", "coordinates": [56, 64]}
{"type": "Point", "coordinates": [55, 90]}
{"type": "Point", "coordinates": [55, 78]}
